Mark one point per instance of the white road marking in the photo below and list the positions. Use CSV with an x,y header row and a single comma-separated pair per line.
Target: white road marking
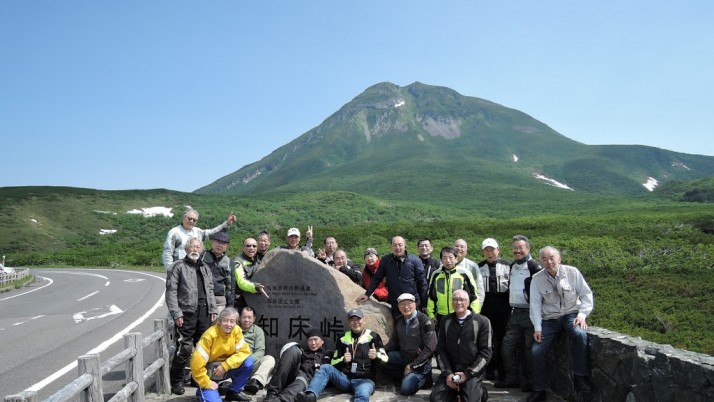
x,y
102,346
89,295
79,317
29,319
134,280
33,290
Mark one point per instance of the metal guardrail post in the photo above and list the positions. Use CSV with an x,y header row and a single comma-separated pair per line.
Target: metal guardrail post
x,y
161,348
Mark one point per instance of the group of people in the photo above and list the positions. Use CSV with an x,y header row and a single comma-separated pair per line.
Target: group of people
x,y
493,320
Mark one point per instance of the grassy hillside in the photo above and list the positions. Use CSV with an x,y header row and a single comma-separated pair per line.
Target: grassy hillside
x,y
650,262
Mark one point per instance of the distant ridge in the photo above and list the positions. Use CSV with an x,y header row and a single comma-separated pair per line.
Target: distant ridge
x,y
404,142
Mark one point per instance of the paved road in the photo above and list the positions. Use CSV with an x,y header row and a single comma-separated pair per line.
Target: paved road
x,y
66,313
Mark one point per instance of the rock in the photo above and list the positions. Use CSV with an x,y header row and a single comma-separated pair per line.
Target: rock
x,y
304,294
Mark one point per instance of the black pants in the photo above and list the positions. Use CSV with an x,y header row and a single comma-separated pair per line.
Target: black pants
x,y
288,380
470,391
194,325
497,310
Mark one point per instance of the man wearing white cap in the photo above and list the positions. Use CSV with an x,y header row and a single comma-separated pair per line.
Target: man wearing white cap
x,y
293,241
354,363
496,273
411,348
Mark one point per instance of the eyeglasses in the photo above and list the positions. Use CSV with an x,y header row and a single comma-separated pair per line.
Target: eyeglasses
x,y
459,299
251,245
191,219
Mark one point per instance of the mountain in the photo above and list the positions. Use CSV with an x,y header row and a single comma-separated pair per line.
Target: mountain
x,y
429,141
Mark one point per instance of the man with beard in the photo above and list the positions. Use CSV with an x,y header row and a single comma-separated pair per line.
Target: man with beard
x,y
190,300
223,350
220,265
178,236
297,366
245,267
462,249
463,351
263,245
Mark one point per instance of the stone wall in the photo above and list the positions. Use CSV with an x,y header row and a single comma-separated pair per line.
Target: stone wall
x,y
630,369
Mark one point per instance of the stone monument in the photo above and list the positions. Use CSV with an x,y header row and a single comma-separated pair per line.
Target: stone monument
x,y
303,294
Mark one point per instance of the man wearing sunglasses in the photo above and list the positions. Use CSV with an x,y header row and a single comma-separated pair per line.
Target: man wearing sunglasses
x,y
246,265
177,236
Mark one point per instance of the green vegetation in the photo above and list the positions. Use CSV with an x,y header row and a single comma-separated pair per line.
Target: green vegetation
x,y
649,261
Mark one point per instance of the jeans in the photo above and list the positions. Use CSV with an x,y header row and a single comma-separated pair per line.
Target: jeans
x,y
412,382
239,377
578,348
362,388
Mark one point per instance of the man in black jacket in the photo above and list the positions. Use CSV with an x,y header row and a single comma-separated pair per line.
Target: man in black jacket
x,y
220,265
463,351
411,347
354,363
404,273
296,367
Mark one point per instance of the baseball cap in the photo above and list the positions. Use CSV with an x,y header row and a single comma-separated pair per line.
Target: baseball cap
x,y
405,296
489,243
293,232
355,312
221,236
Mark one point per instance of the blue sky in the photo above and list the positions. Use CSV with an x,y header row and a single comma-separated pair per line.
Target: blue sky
x,y
175,94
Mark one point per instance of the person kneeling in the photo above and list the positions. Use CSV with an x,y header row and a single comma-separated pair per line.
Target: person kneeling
x,y
222,342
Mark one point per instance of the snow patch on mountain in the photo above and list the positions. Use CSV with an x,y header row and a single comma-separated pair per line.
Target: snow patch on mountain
x,y
551,182
651,183
152,211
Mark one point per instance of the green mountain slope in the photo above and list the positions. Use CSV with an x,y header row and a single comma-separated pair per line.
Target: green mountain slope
x,y
406,142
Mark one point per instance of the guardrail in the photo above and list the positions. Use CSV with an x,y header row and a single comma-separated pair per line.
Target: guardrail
x,y
88,386
20,273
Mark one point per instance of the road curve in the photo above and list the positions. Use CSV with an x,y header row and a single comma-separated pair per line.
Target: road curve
x,y
70,312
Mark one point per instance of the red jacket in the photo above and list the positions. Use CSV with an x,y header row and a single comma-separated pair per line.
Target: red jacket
x,y
381,292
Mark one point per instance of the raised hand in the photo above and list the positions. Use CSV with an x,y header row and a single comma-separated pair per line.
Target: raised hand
x,y
372,352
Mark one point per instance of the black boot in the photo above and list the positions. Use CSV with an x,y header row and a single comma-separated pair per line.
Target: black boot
x,y
306,396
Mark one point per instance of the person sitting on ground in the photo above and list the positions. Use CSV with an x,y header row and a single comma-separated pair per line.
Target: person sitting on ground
x,y
411,348
371,263
354,363
223,350
255,337
296,367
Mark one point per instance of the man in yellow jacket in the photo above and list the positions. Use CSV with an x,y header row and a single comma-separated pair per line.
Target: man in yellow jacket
x,y
222,346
